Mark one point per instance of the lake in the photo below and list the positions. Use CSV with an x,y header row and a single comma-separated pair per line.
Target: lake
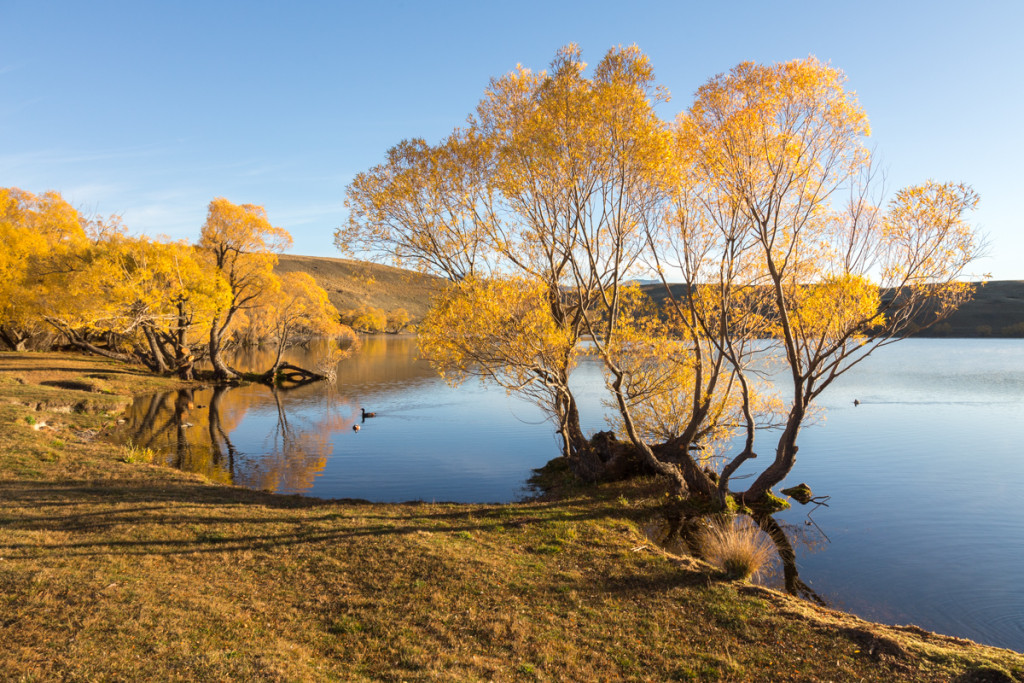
x,y
923,523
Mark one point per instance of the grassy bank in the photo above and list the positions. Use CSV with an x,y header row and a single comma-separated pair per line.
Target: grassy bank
x,y
123,570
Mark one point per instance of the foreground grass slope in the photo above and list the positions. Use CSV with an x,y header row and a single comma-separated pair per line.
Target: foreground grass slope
x,y
125,571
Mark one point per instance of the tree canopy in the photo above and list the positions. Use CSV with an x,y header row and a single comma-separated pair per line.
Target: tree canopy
x,y
565,186
163,303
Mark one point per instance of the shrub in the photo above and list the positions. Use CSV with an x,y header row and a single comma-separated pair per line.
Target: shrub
x,y
347,340
397,320
737,546
133,452
365,319
1015,330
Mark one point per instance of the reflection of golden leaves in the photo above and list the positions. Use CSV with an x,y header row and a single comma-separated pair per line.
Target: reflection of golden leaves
x,y
300,451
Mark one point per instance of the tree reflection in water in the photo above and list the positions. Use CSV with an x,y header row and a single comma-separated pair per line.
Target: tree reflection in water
x,y
791,580
190,429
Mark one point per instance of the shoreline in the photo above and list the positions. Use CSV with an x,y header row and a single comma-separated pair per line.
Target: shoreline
x,y
176,576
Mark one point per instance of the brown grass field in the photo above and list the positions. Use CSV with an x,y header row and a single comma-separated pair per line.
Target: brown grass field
x,y
111,570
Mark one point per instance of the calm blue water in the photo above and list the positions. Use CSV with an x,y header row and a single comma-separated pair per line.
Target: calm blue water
x,y
923,519
925,478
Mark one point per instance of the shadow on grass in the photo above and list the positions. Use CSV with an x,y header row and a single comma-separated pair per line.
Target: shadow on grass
x,y
206,512
650,582
80,369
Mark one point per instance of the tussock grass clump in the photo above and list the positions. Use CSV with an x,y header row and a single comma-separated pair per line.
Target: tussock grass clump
x,y
737,546
133,453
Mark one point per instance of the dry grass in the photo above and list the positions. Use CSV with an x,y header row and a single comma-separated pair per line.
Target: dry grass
x,y
737,546
350,284
996,310
134,453
118,571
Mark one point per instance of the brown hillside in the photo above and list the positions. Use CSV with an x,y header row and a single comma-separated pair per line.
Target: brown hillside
x,y
350,284
996,310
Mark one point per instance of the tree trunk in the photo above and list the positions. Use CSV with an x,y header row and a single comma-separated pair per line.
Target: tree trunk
x,y
697,480
184,361
785,458
293,374
583,461
159,363
220,369
83,345
13,338
282,338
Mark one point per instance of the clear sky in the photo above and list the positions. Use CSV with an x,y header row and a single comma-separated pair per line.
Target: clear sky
x,y
150,110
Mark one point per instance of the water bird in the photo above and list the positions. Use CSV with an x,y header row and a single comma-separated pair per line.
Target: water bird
x,y
366,414
355,428
856,402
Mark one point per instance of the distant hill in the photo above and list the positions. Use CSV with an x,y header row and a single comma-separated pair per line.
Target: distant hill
x,y
997,309
350,284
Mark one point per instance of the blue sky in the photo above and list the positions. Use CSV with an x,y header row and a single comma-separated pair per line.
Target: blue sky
x,y
150,110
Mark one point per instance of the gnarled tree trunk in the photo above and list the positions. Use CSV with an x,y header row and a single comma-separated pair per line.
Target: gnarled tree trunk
x,y
15,339
220,368
785,458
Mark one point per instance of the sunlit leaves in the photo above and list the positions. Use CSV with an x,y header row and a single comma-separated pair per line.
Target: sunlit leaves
x,y
426,207
144,298
926,233
241,244
770,154
291,308
40,235
499,328
758,198
828,312
784,136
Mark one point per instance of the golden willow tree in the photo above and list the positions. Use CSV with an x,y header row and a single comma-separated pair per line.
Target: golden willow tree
x,y
777,165
243,247
537,203
40,234
294,310
139,299
754,203
130,298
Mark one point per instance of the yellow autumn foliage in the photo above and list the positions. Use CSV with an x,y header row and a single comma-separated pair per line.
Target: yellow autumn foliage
x,y
501,329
